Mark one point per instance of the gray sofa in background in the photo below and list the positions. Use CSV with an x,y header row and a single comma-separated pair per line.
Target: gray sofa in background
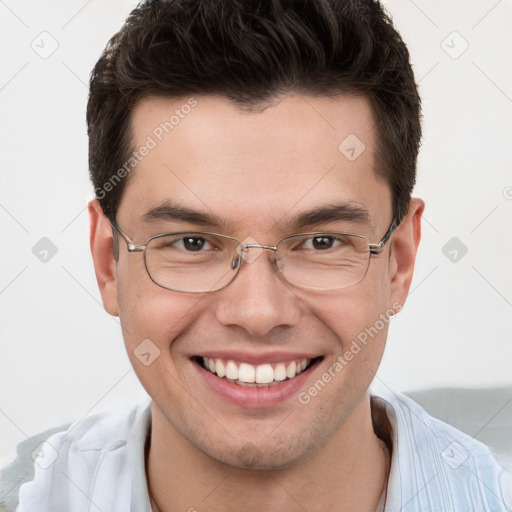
x,y
485,414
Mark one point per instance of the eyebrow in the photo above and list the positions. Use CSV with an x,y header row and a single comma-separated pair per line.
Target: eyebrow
x,y
173,212
337,212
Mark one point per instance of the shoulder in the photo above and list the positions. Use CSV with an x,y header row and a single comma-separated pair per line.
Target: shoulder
x,y
435,464
21,469
77,447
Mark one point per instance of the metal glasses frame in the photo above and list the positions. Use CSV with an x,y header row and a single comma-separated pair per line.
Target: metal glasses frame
x,y
375,248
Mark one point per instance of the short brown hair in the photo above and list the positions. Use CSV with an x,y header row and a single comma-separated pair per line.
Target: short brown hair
x,y
251,51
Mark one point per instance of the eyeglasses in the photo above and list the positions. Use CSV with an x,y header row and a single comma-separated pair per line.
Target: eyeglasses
x,y
200,262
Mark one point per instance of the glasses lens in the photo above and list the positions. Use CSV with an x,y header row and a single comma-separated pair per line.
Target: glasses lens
x,y
323,261
192,262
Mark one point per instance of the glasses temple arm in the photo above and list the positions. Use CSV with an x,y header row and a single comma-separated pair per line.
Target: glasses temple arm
x,y
129,244
377,248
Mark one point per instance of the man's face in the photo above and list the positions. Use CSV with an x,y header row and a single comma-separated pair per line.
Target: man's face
x,y
256,173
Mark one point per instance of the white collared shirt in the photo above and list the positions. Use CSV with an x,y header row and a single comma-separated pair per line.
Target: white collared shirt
x,y
98,465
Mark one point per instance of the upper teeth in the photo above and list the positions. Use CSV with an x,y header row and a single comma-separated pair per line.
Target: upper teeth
x,y
249,374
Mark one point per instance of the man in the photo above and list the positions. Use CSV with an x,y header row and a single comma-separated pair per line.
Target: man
x,y
253,165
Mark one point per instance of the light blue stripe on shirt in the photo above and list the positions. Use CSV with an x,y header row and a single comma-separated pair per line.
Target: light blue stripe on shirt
x,y
435,467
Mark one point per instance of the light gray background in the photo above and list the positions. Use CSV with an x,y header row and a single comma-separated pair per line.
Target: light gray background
x,y
62,356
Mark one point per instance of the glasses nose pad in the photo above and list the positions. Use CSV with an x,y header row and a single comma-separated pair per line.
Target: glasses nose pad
x,y
280,265
235,263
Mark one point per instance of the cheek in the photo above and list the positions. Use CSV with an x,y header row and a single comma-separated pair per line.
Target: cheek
x,y
350,311
359,318
149,312
151,322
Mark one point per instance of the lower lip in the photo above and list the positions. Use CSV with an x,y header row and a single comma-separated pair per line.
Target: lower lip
x,y
253,396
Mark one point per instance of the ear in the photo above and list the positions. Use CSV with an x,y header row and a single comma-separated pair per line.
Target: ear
x,y
406,240
103,257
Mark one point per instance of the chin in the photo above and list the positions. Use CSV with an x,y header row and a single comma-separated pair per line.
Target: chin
x,y
263,456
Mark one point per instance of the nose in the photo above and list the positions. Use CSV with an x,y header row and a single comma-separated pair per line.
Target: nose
x,y
258,300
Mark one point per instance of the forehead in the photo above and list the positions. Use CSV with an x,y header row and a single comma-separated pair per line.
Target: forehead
x,y
297,153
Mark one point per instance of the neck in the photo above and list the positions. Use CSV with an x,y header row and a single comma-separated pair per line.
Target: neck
x,y
349,473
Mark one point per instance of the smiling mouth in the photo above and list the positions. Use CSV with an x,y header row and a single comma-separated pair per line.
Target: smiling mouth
x,y
261,375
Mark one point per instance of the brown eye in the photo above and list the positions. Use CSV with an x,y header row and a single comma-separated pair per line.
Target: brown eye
x,y
322,242
193,243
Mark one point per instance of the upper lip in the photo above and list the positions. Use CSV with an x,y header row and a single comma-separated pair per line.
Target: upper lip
x,y
254,357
